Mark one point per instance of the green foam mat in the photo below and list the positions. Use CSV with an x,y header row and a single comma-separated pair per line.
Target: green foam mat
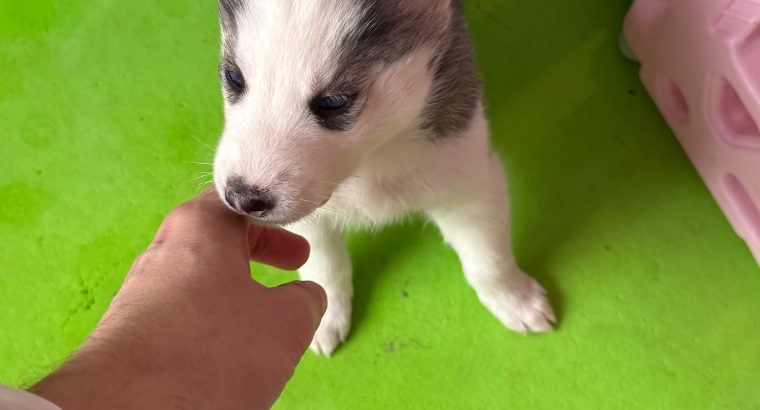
x,y
109,112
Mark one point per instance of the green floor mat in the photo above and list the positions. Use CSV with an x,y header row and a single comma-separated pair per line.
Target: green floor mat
x,y
109,112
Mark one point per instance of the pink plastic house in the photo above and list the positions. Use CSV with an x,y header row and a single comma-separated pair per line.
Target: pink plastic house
x,y
700,61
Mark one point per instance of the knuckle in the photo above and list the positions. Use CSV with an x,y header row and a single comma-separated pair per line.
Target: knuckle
x,y
180,214
180,217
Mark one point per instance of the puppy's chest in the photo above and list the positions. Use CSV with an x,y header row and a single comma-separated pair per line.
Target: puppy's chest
x,y
367,202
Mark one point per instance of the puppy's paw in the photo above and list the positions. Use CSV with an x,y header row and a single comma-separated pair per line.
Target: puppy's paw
x,y
334,327
521,305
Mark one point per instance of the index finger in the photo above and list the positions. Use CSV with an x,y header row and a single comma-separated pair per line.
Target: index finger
x,y
204,219
277,247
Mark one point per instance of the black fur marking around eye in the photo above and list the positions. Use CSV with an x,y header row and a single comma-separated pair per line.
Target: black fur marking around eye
x,y
333,117
384,35
233,81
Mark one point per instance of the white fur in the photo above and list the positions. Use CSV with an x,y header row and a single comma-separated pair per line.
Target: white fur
x,y
284,48
460,184
380,170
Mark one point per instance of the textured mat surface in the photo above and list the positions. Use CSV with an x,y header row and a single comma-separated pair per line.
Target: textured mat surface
x,y
109,110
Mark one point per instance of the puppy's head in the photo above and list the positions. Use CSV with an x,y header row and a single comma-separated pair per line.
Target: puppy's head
x,y
311,87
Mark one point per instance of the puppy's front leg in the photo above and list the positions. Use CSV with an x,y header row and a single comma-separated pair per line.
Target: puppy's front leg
x,y
477,227
329,265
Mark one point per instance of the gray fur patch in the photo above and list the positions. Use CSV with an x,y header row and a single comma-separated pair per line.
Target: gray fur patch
x,y
387,31
391,29
228,11
456,90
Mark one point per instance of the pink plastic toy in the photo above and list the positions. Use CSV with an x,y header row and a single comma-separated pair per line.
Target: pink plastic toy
x,y
700,61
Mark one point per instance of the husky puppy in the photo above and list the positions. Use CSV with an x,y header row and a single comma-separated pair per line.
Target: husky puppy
x,y
353,113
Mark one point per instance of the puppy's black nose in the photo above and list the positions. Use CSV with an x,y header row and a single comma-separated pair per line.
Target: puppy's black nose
x,y
248,199
252,205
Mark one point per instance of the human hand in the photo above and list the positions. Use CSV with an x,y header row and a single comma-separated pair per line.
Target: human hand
x,y
190,328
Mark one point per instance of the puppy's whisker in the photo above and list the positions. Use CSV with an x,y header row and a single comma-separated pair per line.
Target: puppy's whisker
x,y
202,143
330,183
201,177
203,184
205,174
306,201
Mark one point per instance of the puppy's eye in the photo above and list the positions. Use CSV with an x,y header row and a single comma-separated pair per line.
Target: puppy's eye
x,y
235,79
333,103
335,111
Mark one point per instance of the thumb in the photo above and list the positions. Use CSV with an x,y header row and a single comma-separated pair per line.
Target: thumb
x,y
299,307
311,294
290,315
